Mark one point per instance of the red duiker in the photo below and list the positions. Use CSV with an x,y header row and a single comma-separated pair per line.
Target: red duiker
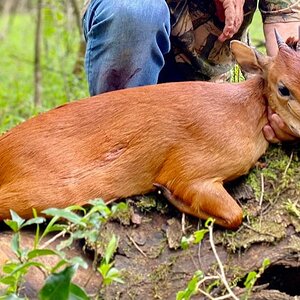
x,y
187,137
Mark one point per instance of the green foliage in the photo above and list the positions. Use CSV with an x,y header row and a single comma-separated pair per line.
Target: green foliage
x,y
192,287
205,284
58,283
252,278
59,286
293,208
106,269
59,52
197,236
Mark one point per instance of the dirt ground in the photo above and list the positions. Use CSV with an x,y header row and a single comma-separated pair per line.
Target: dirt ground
x,y
155,267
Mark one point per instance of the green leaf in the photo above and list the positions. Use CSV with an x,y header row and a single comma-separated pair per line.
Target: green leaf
x,y
120,207
23,267
184,243
8,280
104,268
56,227
41,252
15,217
49,227
266,263
64,213
192,287
251,277
57,285
99,206
79,261
114,275
77,293
12,224
37,232
58,265
38,220
111,248
199,235
9,267
64,244
77,207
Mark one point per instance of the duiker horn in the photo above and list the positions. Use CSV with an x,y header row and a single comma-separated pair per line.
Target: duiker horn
x,y
279,40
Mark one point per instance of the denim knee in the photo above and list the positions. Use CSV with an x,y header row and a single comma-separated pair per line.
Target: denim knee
x,y
126,41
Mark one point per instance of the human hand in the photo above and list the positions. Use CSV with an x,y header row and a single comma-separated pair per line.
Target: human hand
x,y
231,11
277,130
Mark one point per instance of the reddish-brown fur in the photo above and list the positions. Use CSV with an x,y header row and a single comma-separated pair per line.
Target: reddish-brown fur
x,y
189,137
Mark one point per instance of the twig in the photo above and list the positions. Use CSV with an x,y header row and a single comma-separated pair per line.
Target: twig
x,y
136,246
37,57
261,197
257,231
262,184
206,294
183,229
46,244
222,275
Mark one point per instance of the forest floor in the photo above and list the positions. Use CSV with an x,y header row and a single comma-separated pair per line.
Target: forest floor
x,y
156,268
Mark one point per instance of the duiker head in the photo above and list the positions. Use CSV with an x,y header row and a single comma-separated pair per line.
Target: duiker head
x,y
281,74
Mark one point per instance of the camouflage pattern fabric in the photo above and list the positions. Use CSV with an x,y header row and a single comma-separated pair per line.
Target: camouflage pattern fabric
x,y
196,52
274,11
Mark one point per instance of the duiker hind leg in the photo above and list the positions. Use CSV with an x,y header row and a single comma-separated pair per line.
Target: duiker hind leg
x,y
204,200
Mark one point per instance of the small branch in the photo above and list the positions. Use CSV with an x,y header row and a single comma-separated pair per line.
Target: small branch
x,y
261,197
262,184
61,233
222,275
37,57
259,232
183,228
136,246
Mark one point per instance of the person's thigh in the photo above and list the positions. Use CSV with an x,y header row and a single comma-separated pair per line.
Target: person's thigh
x,y
126,42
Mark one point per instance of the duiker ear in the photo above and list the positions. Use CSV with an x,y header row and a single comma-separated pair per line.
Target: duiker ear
x,y
249,59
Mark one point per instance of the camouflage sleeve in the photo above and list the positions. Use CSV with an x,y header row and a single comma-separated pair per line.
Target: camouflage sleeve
x,y
280,11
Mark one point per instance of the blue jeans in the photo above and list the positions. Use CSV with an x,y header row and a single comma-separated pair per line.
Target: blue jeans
x,y
126,43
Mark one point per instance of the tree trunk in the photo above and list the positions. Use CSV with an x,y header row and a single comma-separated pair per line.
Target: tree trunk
x,y
78,67
37,58
7,15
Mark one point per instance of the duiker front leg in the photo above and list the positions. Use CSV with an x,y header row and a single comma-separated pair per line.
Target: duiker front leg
x,y
204,200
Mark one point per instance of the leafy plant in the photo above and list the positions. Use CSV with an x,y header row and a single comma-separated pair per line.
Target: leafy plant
x,y
252,278
192,287
58,284
106,269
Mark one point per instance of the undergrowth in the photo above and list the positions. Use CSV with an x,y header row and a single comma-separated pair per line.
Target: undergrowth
x,y
71,224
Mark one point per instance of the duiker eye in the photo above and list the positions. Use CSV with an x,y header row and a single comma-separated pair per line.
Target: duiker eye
x,y
283,90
